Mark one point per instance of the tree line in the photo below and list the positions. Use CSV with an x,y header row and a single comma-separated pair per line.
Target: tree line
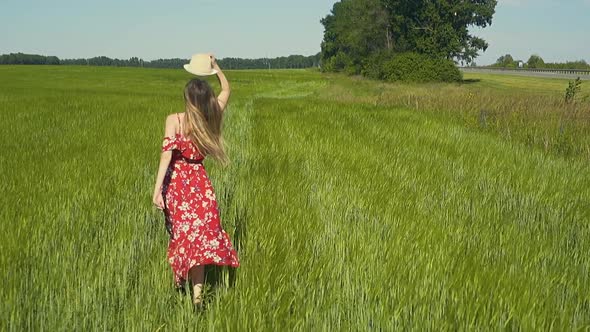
x,y
292,61
392,39
536,61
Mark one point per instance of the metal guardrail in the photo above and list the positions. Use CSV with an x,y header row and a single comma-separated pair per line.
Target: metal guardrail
x,y
533,70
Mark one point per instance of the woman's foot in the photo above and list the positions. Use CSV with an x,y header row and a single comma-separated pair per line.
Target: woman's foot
x,y
197,294
197,300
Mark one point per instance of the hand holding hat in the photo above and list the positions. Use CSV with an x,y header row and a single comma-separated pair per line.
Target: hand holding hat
x,y
213,60
202,65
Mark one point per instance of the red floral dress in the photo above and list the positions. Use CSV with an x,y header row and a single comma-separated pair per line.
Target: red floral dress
x,y
192,215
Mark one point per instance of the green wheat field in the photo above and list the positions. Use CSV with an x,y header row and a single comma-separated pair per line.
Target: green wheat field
x,y
354,204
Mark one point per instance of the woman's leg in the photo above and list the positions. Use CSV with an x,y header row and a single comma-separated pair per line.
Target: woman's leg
x,y
197,276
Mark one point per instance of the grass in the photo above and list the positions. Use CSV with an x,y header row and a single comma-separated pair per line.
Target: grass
x,y
519,84
526,110
353,205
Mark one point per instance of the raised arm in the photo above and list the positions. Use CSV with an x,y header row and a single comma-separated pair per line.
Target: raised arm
x,y
223,96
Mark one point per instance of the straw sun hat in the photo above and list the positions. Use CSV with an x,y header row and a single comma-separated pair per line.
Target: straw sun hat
x,y
200,65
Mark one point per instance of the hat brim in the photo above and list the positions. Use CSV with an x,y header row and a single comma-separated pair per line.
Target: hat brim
x,y
191,70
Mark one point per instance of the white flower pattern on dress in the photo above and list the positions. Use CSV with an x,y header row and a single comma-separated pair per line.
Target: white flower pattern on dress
x,y
197,237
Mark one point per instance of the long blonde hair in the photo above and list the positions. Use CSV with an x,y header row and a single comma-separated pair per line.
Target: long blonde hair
x,y
204,119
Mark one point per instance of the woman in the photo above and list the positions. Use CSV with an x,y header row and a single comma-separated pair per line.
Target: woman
x,y
183,190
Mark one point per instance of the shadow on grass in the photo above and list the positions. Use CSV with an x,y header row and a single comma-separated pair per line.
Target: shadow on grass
x,y
471,81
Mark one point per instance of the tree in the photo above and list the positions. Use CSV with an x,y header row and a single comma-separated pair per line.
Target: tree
x,y
52,60
505,61
134,62
354,30
535,61
292,61
440,28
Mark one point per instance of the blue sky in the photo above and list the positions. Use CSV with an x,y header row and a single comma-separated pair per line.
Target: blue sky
x,y
557,30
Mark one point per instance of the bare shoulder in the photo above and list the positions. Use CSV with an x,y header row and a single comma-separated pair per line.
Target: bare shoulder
x,y
171,124
172,119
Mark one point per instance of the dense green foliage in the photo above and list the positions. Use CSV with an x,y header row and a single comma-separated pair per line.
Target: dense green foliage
x,y
355,205
357,30
573,91
288,62
413,67
506,61
292,61
535,61
28,59
439,28
579,64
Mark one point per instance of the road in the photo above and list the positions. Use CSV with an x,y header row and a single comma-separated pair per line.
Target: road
x,y
525,73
